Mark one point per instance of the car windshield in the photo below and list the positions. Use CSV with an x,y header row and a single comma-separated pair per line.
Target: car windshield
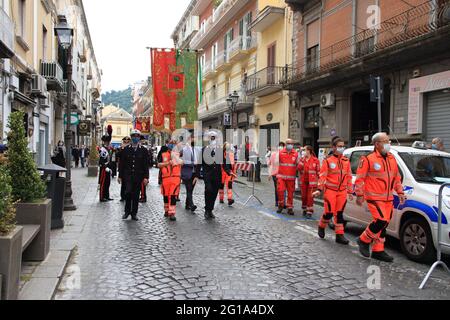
x,y
428,168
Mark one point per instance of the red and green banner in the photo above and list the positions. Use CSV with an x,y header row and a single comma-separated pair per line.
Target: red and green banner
x,y
175,88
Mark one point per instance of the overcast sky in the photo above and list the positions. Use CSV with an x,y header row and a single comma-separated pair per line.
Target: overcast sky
x,y
122,29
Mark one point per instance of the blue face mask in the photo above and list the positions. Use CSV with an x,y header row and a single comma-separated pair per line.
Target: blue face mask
x,y
170,146
434,147
290,147
135,140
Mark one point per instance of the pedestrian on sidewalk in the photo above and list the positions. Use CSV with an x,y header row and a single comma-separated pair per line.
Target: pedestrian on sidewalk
x,y
84,153
125,142
105,170
378,177
188,173
76,156
170,166
58,157
309,170
212,164
133,171
287,174
336,184
273,163
227,177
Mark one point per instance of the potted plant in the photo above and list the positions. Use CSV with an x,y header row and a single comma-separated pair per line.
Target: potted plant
x,y
93,159
28,189
10,241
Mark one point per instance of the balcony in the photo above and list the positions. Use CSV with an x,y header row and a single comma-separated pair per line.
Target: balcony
x,y
222,61
267,18
421,32
266,81
6,36
299,5
208,70
222,15
53,73
213,106
242,47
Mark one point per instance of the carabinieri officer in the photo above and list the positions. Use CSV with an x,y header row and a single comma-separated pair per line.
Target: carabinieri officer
x,y
133,172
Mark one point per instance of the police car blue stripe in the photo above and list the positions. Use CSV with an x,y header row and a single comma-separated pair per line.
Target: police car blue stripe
x,y
431,212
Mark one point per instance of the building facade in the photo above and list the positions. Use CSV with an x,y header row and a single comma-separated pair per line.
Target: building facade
x,y
273,25
34,75
339,44
120,121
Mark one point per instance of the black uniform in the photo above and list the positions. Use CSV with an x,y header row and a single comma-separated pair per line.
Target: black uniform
x,y
122,186
133,169
212,164
105,174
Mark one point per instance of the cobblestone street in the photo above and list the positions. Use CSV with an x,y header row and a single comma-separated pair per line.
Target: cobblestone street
x,y
246,253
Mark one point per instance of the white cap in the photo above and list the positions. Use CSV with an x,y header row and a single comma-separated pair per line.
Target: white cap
x,y
135,132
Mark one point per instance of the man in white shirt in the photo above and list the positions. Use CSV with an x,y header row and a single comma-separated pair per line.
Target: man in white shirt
x,y
188,173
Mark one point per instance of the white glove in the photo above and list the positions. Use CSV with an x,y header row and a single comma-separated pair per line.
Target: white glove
x,y
108,170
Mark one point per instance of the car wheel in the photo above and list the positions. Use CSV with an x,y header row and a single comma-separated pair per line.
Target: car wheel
x,y
416,240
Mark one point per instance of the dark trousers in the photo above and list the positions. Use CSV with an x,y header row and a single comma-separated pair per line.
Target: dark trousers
x,y
113,167
122,192
143,192
105,182
77,162
212,187
132,191
275,183
189,184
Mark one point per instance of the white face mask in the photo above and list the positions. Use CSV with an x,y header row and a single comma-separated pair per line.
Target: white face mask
x,y
387,148
340,150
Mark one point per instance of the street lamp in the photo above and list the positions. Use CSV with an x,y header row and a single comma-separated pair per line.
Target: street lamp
x,y
65,35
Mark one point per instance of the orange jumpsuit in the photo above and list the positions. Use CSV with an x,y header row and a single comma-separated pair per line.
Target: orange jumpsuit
x,y
309,177
227,180
377,178
287,174
170,187
336,183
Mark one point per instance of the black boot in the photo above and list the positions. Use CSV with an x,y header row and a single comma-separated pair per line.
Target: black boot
x,y
280,210
321,233
125,216
134,218
222,202
341,239
291,212
173,218
382,256
364,248
193,209
230,202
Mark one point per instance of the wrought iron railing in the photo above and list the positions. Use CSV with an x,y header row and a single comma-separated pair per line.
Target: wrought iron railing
x,y
270,76
242,43
222,58
412,23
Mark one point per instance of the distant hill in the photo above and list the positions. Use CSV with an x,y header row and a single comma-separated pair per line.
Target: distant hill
x,y
119,98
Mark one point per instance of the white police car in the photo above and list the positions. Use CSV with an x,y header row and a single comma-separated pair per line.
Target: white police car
x,y
415,223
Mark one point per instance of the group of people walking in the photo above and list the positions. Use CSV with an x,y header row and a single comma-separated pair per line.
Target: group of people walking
x,y
179,163
378,178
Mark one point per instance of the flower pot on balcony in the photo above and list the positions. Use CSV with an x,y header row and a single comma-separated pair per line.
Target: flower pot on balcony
x,y
37,214
10,263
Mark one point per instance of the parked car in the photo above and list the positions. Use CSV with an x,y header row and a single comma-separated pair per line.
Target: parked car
x,y
415,223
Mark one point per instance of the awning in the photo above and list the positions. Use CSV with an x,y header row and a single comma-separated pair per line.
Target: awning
x,y
22,98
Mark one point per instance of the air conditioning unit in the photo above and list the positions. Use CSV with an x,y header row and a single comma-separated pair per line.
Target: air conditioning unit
x,y
38,86
253,120
44,103
327,100
14,82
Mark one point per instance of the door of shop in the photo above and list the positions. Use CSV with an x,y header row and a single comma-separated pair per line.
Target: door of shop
x,y
271,135
365,116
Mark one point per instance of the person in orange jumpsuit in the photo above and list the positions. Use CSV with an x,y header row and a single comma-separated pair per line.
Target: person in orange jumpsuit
x,y
170,166
227,180
287,174
309,169
377,178
336,183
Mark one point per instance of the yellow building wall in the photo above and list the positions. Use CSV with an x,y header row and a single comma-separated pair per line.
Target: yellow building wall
x,y
26,55
121,129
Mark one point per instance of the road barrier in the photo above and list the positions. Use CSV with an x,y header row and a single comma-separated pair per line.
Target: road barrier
x,y
247,166
440,244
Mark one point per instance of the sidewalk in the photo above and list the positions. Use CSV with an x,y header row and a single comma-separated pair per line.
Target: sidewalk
x,y
39,280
